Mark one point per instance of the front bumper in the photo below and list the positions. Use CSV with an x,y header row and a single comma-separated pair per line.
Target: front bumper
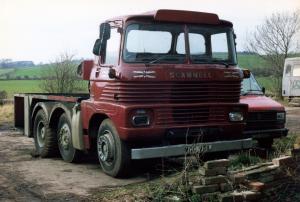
x,y
183,149
266,133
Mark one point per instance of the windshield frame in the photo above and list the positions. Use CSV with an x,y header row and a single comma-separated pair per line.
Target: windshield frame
x,y
183,58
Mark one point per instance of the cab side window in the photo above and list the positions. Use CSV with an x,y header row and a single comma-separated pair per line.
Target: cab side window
x,y
288,69
112,48
296,70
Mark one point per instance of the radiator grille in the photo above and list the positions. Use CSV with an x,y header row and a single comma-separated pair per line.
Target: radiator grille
x,y
172,92
261,120
189,115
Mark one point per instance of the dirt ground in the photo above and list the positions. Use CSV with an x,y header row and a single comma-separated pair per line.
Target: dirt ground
x,y
293,119
25,178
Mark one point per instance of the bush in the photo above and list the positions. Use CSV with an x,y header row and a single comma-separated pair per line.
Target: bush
x,y
243,159
284,145
61,76
3,95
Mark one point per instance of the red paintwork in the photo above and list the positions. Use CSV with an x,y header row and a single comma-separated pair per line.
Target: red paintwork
x,y
120,112
262,121
261,103
186,16
62,98
87,66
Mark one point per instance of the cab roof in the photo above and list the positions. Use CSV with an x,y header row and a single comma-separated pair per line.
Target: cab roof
x,y
181,16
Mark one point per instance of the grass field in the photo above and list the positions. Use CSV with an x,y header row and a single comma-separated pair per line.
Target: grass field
x,y
251,61
19,86
29,86
31,72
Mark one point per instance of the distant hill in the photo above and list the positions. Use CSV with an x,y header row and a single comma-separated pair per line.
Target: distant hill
x,y
15,64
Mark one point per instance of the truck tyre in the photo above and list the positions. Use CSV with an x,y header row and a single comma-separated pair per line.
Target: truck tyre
x,y
113,153
64,137
265,143
44,137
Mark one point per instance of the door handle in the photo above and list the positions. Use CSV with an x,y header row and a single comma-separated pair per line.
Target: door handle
x,y
97,72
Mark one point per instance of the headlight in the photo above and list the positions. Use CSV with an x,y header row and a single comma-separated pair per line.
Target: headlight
x,y
140,118
236,116
280,116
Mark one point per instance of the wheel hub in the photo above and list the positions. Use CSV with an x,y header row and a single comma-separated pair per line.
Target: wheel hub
x,y
65,136
105,146
41,134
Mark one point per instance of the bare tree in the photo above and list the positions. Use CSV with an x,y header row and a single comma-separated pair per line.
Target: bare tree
x,y
60,76
274,40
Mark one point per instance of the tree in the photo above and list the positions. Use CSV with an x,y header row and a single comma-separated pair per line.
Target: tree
x,y
274,40
60,76
4,62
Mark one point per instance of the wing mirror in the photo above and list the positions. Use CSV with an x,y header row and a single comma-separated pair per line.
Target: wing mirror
x,y
263,89
246,73
104,35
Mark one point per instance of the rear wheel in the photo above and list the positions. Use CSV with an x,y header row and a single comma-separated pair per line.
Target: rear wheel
x,y
44,137
64,137
113,153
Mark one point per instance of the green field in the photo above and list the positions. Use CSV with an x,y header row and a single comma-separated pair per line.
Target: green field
x,y
19,86
251,61
26,72
266,82
30,71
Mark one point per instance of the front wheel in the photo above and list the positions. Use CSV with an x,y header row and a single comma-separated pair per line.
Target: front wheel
x,y
64,136
265,143
113,153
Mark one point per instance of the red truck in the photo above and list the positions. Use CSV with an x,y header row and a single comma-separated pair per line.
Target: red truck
x,y
163,83
266,117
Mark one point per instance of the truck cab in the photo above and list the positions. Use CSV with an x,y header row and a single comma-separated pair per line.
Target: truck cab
x,y
266,117
163,83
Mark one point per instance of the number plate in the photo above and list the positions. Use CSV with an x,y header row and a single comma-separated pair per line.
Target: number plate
x,y
197,148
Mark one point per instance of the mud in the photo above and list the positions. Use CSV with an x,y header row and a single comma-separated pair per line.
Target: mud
x,y
25,178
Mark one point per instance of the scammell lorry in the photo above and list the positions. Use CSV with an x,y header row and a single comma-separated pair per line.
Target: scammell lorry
x,y
163,83
266,117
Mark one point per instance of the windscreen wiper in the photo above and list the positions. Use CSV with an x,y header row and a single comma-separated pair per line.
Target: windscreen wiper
x,y
203,61
166,57
249,91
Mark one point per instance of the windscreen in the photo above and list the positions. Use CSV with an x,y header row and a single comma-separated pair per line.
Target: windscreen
x,y
176,43
250,86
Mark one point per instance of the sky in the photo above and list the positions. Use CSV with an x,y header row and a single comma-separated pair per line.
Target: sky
x,y
40,30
